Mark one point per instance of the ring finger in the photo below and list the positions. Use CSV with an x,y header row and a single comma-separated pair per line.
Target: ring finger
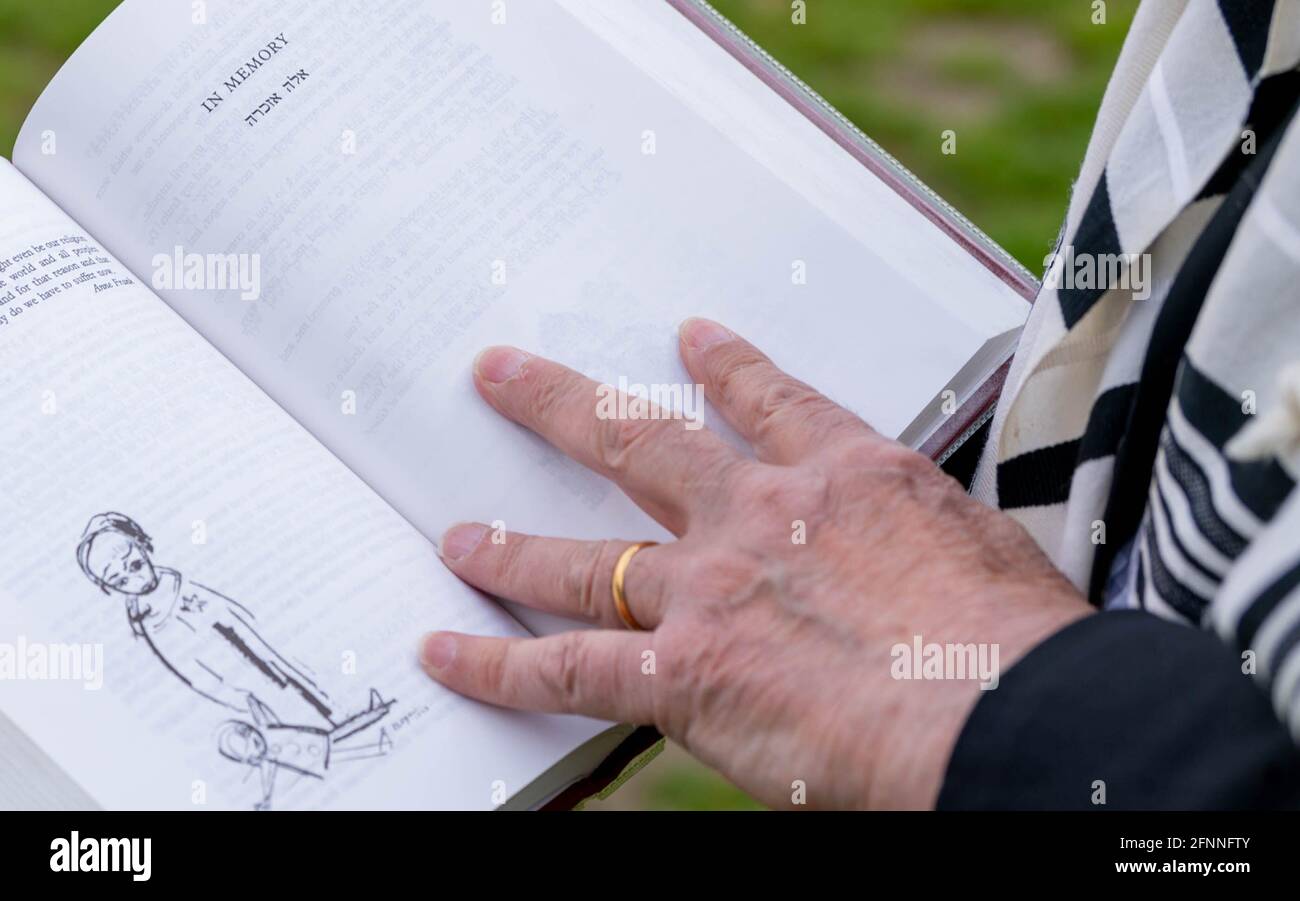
x,y
560,575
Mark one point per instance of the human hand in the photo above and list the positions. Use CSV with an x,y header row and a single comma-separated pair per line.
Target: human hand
x,y
773,659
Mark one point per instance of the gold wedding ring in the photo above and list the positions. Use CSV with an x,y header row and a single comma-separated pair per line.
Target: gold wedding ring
x,y
616,585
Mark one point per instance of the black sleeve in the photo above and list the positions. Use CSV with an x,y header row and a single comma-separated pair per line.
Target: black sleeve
x,y
1159,712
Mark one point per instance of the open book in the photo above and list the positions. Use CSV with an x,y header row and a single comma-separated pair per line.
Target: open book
x,y
248,252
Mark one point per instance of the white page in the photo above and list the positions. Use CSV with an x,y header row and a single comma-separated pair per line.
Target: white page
x,y
110,402
698,72
523,144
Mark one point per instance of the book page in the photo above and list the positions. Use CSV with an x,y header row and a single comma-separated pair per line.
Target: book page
x,y
200,606
419,180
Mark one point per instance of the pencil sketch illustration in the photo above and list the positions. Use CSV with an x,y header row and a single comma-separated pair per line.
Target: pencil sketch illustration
x,y
209,642
269,747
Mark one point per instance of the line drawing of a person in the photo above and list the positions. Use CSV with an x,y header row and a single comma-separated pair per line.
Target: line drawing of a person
x,y
204,638
270,747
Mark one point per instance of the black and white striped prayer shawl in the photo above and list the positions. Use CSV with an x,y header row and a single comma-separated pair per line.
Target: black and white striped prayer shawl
x,y
1156,442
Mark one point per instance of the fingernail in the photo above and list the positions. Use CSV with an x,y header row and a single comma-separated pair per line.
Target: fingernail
x,y
702,333
500,364
460,540
438,650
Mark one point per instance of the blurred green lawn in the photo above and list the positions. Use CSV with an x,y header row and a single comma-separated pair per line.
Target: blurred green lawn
x,y
1019,81
36,36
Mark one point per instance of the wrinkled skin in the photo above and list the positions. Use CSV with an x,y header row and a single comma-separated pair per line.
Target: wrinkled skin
x,y
771,657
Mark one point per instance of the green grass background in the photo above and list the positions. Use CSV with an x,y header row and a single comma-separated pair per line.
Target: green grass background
x,y
1019,81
